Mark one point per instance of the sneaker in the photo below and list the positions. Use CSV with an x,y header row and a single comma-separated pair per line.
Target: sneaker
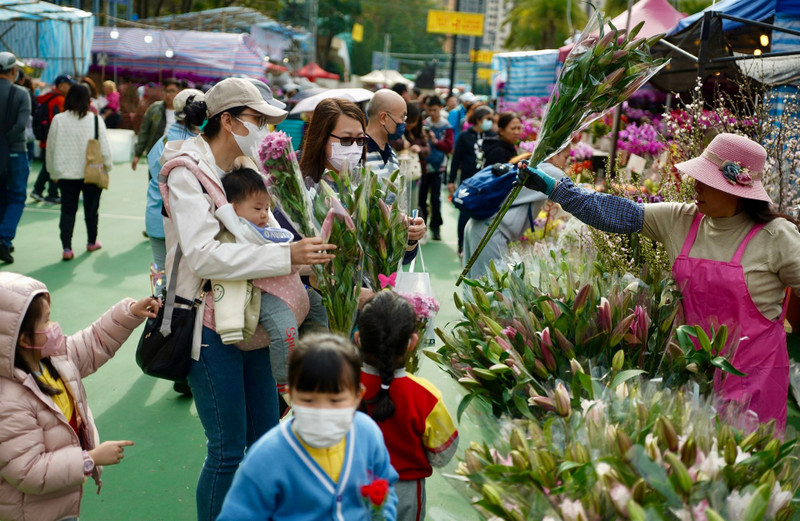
x,y
436,235
37,196
145,235
52,200
68,254
94,247
182,388
5,254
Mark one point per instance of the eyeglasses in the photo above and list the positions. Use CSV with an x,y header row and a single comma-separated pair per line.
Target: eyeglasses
x,y
405,117
261,119
348,141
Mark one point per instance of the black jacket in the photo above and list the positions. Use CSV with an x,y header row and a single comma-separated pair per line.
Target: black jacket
x,y
468,154
497,151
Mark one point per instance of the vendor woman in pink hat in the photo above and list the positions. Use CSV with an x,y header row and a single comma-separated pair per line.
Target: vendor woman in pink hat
x,y
733,257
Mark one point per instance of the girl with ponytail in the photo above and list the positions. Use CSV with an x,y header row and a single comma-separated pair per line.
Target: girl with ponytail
x,y
417,427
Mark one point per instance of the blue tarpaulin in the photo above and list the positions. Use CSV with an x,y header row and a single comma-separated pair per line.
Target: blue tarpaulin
x,y
527,73
758,10
60,36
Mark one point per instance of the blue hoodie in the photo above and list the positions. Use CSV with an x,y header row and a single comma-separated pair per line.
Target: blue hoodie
x,y
153,220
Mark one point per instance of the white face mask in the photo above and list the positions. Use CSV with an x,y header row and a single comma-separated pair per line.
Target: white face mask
x,y
249,144
322,428
340,152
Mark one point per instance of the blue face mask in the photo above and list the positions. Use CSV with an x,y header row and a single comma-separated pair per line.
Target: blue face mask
x,y
486,126
399,130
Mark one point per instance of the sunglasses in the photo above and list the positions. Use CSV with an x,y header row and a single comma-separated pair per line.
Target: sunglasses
x,y
348,141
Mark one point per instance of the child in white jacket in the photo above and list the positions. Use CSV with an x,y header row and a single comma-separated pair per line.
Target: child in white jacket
x,y
279,304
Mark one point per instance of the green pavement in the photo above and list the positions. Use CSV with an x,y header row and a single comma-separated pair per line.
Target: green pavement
x,y
157,479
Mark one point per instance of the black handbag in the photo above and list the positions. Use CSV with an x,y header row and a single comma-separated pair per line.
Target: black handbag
x,y
165,347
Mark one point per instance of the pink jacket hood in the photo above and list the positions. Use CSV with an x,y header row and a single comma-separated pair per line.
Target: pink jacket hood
x,y
16,293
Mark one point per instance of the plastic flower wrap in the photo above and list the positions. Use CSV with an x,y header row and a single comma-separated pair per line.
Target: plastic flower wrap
x,y
425,309
384,230
286,184
340,280
599,72
631,450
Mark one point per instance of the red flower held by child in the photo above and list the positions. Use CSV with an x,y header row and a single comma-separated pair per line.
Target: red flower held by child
x,y
376,492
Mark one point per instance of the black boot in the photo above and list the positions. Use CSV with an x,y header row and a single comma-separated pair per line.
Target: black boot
x,y
5,254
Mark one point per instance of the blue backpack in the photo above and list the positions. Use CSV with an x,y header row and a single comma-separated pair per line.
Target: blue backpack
x,y
481,195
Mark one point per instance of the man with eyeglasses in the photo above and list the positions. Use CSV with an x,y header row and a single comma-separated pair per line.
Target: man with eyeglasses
x,y
157,120
386,121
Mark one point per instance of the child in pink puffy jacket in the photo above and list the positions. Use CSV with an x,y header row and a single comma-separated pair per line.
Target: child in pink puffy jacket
x,y
48,441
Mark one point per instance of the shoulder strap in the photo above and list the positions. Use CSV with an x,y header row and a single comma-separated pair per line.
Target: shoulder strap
x,y
96,133
737,257
9,102
689,242
211,188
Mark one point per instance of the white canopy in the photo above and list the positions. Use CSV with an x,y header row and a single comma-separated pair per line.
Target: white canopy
x,y
391,77
355,95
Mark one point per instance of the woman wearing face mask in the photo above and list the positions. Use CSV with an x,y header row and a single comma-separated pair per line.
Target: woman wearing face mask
x,y
233,390
313,467
502,148
468,157
49,444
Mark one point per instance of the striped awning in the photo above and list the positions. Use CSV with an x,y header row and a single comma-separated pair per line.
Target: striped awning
x,y
213,55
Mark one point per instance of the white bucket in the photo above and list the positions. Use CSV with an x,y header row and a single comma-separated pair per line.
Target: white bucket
x,y
121,143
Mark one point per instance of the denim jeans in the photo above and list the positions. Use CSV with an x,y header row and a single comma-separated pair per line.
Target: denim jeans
x,y
237,402
12,195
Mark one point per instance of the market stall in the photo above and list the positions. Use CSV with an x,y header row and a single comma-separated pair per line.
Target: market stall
x,y
52,39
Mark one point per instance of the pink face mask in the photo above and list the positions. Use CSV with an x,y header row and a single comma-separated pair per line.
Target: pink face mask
x,y
54,345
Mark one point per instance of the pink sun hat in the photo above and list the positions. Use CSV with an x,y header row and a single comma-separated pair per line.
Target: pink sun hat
x,y
731,163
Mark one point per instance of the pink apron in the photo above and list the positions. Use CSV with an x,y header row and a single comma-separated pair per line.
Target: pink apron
x,y
718,289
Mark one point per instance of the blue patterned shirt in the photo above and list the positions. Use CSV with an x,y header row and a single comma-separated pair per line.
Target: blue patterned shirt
x,y
609,213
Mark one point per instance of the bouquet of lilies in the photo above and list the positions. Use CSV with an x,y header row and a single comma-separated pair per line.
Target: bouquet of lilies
x,y
286,184
603,69
633,451
384,229
425,309
340,280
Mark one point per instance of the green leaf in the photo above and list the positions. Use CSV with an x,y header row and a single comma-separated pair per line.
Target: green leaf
x,y
723,363
568,465
758,504
655,475
705,343
464,404
624,376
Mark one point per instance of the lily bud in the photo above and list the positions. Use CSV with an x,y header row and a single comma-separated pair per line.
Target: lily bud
x,y
549,359
548,404
540,370
680,476
604,315
635,511
651,448
565,345
478,449
579,453
536,434
624,443
730,451
667,433
547,460
480,299
562,400
518,441
519,461
692,368
618,361
582,298
474,464
713,515
544,337
503,342
689,452
620,496
575,366
638,490
492,495
620,331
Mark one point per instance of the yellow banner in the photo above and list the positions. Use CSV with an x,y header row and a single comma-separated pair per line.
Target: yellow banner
x,y
358,32
486,74
481,56
448,22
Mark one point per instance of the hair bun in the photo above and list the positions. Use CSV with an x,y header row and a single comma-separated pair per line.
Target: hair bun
x,y
196,112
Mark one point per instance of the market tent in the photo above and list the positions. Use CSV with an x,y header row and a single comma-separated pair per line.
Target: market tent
x,y
658,16
355,95
313,71
61,37
194,55
759,10
377,77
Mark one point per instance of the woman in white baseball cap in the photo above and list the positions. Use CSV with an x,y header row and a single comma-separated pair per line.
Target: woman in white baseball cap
x,y
733,258
233,389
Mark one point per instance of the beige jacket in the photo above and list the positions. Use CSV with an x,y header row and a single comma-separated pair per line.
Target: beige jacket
x,y
41,460
192,224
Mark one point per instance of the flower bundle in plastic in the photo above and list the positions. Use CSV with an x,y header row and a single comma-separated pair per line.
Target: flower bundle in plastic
x,y
425,309
286,184
340,280
523,328
632,451
599,72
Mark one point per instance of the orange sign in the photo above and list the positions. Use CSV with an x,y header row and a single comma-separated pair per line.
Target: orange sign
x,y
480,56
449,22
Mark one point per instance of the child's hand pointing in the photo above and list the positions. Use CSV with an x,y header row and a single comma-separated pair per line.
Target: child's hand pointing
x,y
146,308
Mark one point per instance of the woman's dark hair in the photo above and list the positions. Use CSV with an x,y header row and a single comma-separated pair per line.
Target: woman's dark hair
x,y
89,82
28,326
400,88
77,100
196,111
385,325
763,212
505,119
414,113
478,113
324,363
323,121
243,183
172,81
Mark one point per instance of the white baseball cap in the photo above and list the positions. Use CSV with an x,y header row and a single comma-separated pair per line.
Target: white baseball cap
x,y
8,61
238,92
